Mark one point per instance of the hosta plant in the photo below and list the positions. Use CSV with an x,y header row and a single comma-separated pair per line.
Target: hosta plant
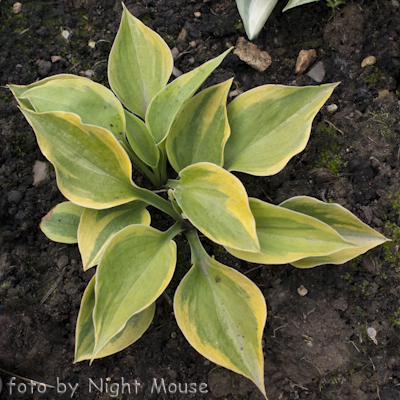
x,y
94,136
255,13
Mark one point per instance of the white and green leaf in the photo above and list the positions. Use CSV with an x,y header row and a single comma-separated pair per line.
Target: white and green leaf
x,y
201,130
97,226
216,203
61,223
134,269
344,222
254,14
296,3
84,336
95,104
271,124
168,102
92,168
222,315
286,236
140,64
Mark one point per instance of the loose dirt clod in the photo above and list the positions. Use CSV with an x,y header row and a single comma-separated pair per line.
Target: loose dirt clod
x,y
252,55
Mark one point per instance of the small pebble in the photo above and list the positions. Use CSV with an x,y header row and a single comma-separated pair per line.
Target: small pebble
x,y
175,53
371,332
197,14
176,72
395,4
302,291
92,44
40,172
383,93
317,72
65,34
17,7
332,108
55,58
370,60
305,59
89,73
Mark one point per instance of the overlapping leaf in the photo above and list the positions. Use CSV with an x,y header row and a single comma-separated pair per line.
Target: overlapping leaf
x,y
343,221
286,236
60,224
140,64
216,203
19,90
92,169
84,337
222,314
201,129
134,269
269,125
167,103
141,141
254,14
97,226
95,104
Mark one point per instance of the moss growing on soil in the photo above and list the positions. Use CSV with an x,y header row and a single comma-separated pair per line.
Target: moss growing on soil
x,y
395,319
330,154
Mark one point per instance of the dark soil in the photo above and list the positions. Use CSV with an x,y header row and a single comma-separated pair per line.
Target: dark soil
x,y
316,346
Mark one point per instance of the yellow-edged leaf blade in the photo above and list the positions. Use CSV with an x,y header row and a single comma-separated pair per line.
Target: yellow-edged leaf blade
x,y
140,64
201,130
344,222
269,125
97,226
166,105
61,223
94,103
84,337
286,236
134,269
216,203
222,314
92,168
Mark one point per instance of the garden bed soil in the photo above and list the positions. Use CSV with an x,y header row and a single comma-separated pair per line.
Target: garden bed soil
x,y
316,346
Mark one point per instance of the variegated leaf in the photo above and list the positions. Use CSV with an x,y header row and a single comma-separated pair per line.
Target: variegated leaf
x,y
95,104
141,141
134,269
222,314
286,236
92,168
269,125
168,102
343,221
60,224
97,226
84,336
140,64
216,203
201,129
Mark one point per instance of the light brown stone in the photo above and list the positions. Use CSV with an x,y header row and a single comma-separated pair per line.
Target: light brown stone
x,y
304,60
252,55
17,7
370,60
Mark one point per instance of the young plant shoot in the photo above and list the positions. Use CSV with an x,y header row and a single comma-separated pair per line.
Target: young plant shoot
x,y
94,137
